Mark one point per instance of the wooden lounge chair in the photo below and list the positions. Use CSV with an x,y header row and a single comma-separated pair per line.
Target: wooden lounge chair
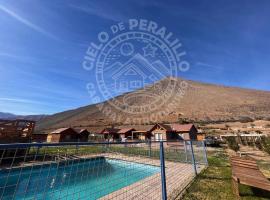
x,y
246,172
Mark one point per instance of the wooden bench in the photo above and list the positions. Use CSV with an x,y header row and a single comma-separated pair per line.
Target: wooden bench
x,y
246,172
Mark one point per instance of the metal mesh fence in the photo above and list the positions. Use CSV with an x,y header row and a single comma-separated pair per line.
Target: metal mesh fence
x,y
97,170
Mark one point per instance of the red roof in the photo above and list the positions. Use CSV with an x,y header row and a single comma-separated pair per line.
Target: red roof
x,y
81,130
182,127
60,130
125,130
176,127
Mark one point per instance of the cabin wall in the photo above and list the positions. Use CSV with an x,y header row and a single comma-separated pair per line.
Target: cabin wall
x,y
185,135
200,137
69,136
159,134
113,136
83,138
55,138
191,135
126,135
141,137
39,137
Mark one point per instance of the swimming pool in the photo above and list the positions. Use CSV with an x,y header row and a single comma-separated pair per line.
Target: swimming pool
x,y
74,179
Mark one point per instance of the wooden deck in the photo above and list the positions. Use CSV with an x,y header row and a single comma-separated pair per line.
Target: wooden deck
x,y
246,172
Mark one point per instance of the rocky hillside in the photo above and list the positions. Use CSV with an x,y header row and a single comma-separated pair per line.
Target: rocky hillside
x,y
199,102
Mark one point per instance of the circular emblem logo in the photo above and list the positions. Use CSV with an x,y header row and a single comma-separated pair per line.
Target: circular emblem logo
x,y
131,62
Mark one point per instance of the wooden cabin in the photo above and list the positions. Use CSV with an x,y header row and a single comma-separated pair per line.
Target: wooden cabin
x,y
68,135
96,137
39,137
161,132
142,132
62,135
83,135
126,133
186,131
110,133
174,132
16,131
141,135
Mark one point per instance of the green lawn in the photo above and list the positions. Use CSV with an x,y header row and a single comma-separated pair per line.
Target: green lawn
x,y
170,154
265,167
215,182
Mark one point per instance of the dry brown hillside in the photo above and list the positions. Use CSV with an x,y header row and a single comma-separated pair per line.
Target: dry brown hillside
x,y
200,102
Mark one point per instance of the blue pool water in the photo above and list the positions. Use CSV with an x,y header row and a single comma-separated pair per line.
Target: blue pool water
x,y
85,179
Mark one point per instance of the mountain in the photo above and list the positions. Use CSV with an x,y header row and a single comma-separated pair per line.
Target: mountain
x,y
11,116
200,102
4,115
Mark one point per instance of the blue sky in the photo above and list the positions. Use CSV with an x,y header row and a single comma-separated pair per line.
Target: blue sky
x,y
42,45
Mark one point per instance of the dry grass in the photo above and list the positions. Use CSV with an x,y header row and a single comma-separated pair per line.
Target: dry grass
x,y
215,183
264,167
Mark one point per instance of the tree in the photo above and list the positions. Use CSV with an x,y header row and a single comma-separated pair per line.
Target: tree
x,y
266,144
232,144
258,144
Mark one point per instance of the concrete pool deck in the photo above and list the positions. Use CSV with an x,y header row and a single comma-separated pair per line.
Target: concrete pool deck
x,y
178,177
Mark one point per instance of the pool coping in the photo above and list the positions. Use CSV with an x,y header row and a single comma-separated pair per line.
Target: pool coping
x,y
175,186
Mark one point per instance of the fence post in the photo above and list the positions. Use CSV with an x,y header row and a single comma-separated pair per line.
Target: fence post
x,y
77,148
150,148
193,158
205,152
163,175
37,150
186,151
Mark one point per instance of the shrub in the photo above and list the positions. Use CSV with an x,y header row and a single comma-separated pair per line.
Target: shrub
x,y
258,144
266,144
232,144
250,143
246,119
